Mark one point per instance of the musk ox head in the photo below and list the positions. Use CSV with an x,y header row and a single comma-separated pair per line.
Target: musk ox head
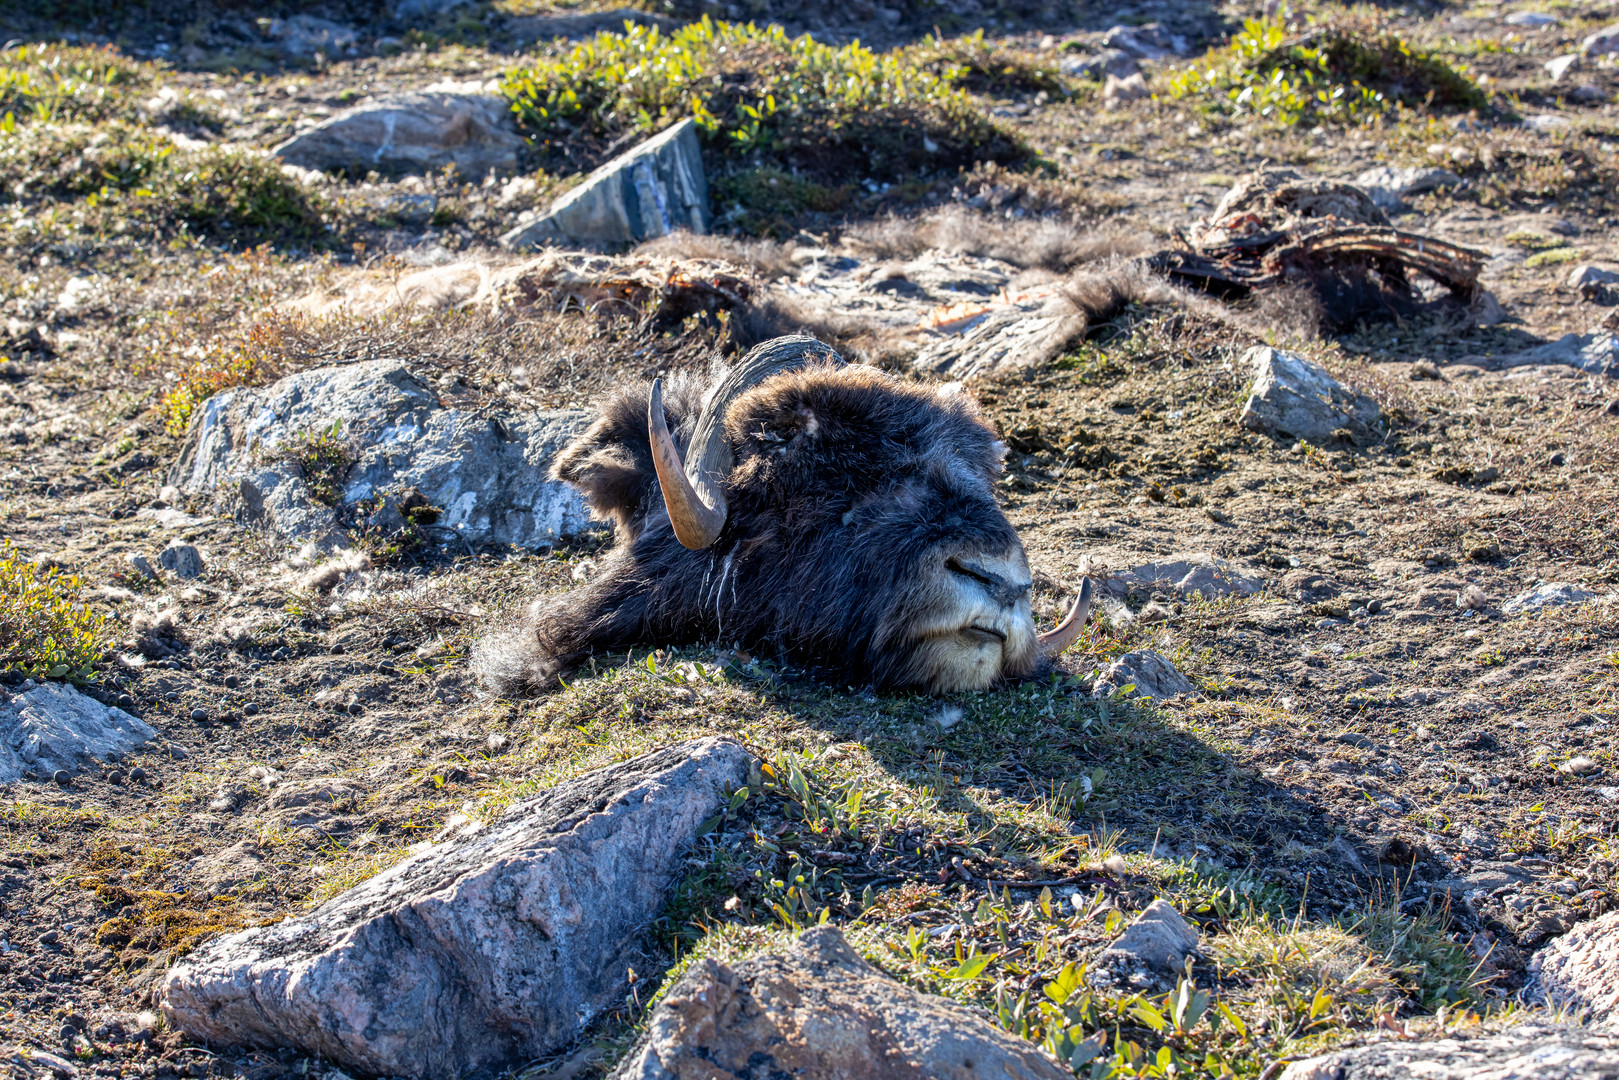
x,y
837,517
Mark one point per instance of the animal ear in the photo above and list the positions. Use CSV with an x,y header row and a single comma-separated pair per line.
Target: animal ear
x,y
611,463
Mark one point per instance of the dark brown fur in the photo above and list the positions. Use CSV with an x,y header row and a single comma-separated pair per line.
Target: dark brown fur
x,y
851,495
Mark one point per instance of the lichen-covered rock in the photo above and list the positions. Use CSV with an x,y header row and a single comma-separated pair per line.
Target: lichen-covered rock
x,y
1195,572
1576,971
414,132
1295,399
478,952
1596,353
1150,675
650,191
1546,594
49,726
1159,939
817,1011
486,475
1537,1051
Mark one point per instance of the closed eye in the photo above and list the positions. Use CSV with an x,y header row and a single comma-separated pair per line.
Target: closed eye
x,y
956,566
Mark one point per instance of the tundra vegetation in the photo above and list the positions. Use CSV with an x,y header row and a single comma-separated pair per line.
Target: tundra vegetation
x,y
1371,740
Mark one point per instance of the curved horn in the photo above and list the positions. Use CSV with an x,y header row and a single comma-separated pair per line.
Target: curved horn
x,y
1068,631
694,494
696,524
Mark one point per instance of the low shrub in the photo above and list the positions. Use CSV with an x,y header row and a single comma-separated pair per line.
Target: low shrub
x,y
989,67
58,83
1336,72
44,630
830,114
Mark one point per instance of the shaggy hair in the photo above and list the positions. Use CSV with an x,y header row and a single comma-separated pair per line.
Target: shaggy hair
x,y
1031,243
862,541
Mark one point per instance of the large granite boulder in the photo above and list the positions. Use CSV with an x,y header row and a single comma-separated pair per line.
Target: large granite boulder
x,y
476,953
1295,399
817,1011
49,726
650,191
1542,1050
484,474
412,132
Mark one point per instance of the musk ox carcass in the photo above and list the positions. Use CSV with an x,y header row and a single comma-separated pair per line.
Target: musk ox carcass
x,y
832,515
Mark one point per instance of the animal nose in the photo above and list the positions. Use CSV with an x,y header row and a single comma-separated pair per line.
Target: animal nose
x,y
1003,590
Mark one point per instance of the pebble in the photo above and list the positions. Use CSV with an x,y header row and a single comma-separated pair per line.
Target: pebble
x,y
1579,766
49,937
137,773
125,701
1374,606
68,1033
232,682
199,714
62,777
1356,739
178,752
250,709
115,777
1328,624
355,708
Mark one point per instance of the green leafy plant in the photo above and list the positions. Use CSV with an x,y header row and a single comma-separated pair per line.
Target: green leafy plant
x,y
323,457
830,113
1336,72
44,630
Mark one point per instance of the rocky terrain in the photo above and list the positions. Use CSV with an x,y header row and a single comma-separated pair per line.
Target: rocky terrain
x,y
299,306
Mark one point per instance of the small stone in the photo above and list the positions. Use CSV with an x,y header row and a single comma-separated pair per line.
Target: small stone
x,y
1356,739
355,708
1117,91
49,937
1159,938
125,701
115,777
142,565
1547,594
1151,674
1374,606
68,1033
137,773
178,752
1296,399
412,132
62,777
250,709
1579,766
184,561
1602,43
1560,66
199,714
232,682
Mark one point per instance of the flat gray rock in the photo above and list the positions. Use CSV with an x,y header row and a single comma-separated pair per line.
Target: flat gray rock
x,y
412,132
1294,399
1576,971
1547,594
486,473
1596,353
1602,43
477,953
1534,1051
1159,939
302,36
817,1011
1150,673
48,726
650,191
1389,186
1197,572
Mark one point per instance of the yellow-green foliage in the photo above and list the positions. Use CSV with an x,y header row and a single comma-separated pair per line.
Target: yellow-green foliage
x,y
44,631
1328,73
71,127
57,83
832,113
